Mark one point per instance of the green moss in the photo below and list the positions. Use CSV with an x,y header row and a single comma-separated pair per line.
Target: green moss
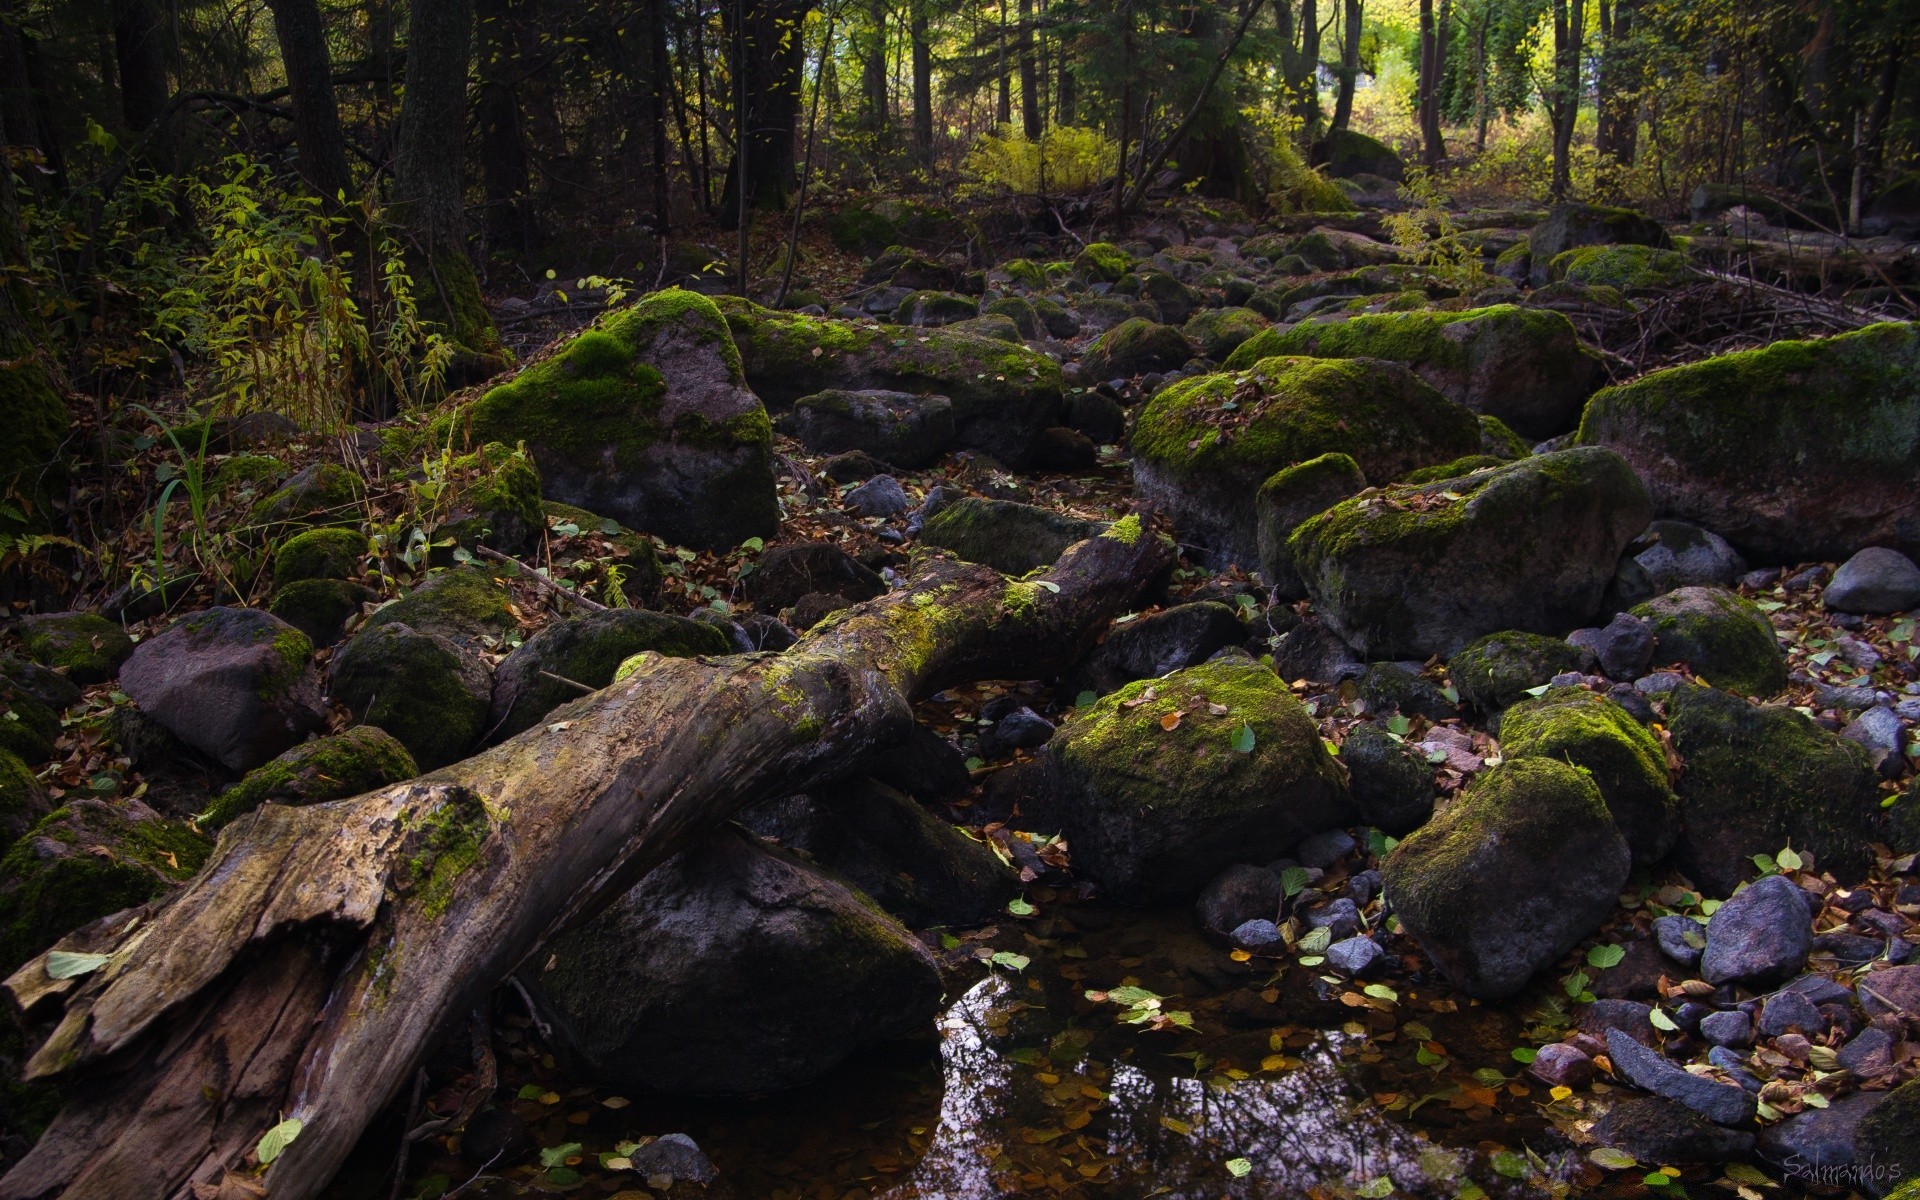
x,y
1125,530
1135,347
415,686
319,608
37,423
1723,637
1497,671
1498,441
1020,311
934,308
28,728
320,554
327,494
1419,339
1217,332
588,650
1102,262
90,647
1629,268
1011,538
1025,273
464,602
1889,1136
446,841
329,768
1627,765
22,800
1454,469
248,471
860,230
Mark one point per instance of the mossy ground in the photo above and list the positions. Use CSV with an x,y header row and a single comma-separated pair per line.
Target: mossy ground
x,y
320,554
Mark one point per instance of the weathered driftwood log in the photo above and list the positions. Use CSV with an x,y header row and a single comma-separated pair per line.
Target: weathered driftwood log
x,y
307,970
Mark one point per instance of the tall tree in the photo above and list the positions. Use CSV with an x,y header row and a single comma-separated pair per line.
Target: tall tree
x,y
1618,88
1563,105
1432,149
766,35
505,173
1349,63
1029,75
140,57
429,171
322,160
922,79
873,70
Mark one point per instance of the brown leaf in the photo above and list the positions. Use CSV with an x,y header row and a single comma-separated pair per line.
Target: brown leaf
x,y
1171,721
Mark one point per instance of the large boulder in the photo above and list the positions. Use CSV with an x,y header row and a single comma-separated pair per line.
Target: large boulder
x,y
1569,225
1203,446
905,429
28,728
22,800
1760,778
464,606
358,760
1888,1138
1525,366
82,862
647,419
324,494
1794,451
1135,347
1011,538
1720,635
1287,498
1346,153
1003,395
420,686
731,970
1218,332
553,666
236,684
1629,268
1502,669
1576,726
1528,546
1148,647
329,553
1512,875
1165,782
787,572
493,501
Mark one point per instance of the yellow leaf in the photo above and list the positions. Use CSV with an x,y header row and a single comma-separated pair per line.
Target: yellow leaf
x,y
1171,721
1561,1092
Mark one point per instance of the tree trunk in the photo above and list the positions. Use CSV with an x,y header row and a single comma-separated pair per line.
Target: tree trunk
x,y
428,179
1568,33
922,80
1349,64
306,971
873,71
1618,89
1309,96
1030,117
504,173
23,103
140,53
1432,152
767,97
316,118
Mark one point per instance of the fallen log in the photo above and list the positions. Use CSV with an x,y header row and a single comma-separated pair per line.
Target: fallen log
x,y
305,973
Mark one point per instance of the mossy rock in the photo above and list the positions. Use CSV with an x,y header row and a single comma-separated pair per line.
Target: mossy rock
x,y
320,608
647,418
930,308
1217,332
87,646
359,760
22,800
1798,450
1759,778
495,501
1172,299
1347,152
1525,366
1203,446
1592,732
1102,262
1003,395
1515,263
1020,311
430,694
1530,545
1135,347
252,472
903,429
44,684
1628,268
998,328
860,230
1290,496
636,553
32,472
1722,636
332,553
1499,670
1055,318
85,861
1517,871
1498,440
1392,783
587,650
1154,813
1567,226
1454,469
28,728
1011,538
322,494
464,604
1022,273
1888,1137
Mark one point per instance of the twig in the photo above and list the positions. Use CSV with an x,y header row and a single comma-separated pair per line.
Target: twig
x,y
406,1143
539,580
569,682
533,1014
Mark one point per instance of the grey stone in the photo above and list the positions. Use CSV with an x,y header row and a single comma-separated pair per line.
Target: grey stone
x,y
881,496
1677,555
1259,936
1731,1028
1787,1011
1759,937
1239,894
1624,646
1659,1131
1340,918
676,1156
1561,1065
1869,1053
1648,1070
1818,1138
1882,734
1874,581
1324,849
1357,956
1677,936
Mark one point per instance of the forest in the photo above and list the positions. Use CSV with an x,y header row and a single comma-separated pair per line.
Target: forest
x,y
871,600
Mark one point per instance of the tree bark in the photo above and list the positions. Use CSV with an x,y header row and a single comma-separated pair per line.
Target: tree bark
x,y
23,103
306,971
1568,33
1618,89
1030,117
922,80
316,118
767,97
1432,151
1349,64
504,172
1309,95
873,71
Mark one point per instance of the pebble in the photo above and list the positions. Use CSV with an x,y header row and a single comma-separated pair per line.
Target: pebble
x,y
1259,936
1727,1029
1363,887
1659,683
1624,646
1341,918
1627,697
1735,1065
1357,956
1759,937
1787,1011
1324,849
1021,729
674,1156
1821,990
1647,1070
1239,894
1881,733
1672,933
1869,1053
1875,581
1818,1137
1561,1065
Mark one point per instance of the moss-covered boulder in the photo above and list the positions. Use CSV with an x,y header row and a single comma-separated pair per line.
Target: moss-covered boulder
x,y
1888,1138
1391,781
31,471
82,862
1628,268
1173,300
1019,273
1102,262
1758,778
1003,395
1497,671
648,419
1347,152
1011,538
905,429
1164,782
995,327
28,728
320,495
930,308
332,553
1135,347
1455,469
1569,225
1795,451
1218,332
860,230
1020,311
320,608
1525,366
583,652
494,501
1576,726
1203,446
1498,440
430,694
329,768
50,687
87,646
236,684
1288,497
1725,639
464,605
732,969
22,800
1510,876
1527,546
